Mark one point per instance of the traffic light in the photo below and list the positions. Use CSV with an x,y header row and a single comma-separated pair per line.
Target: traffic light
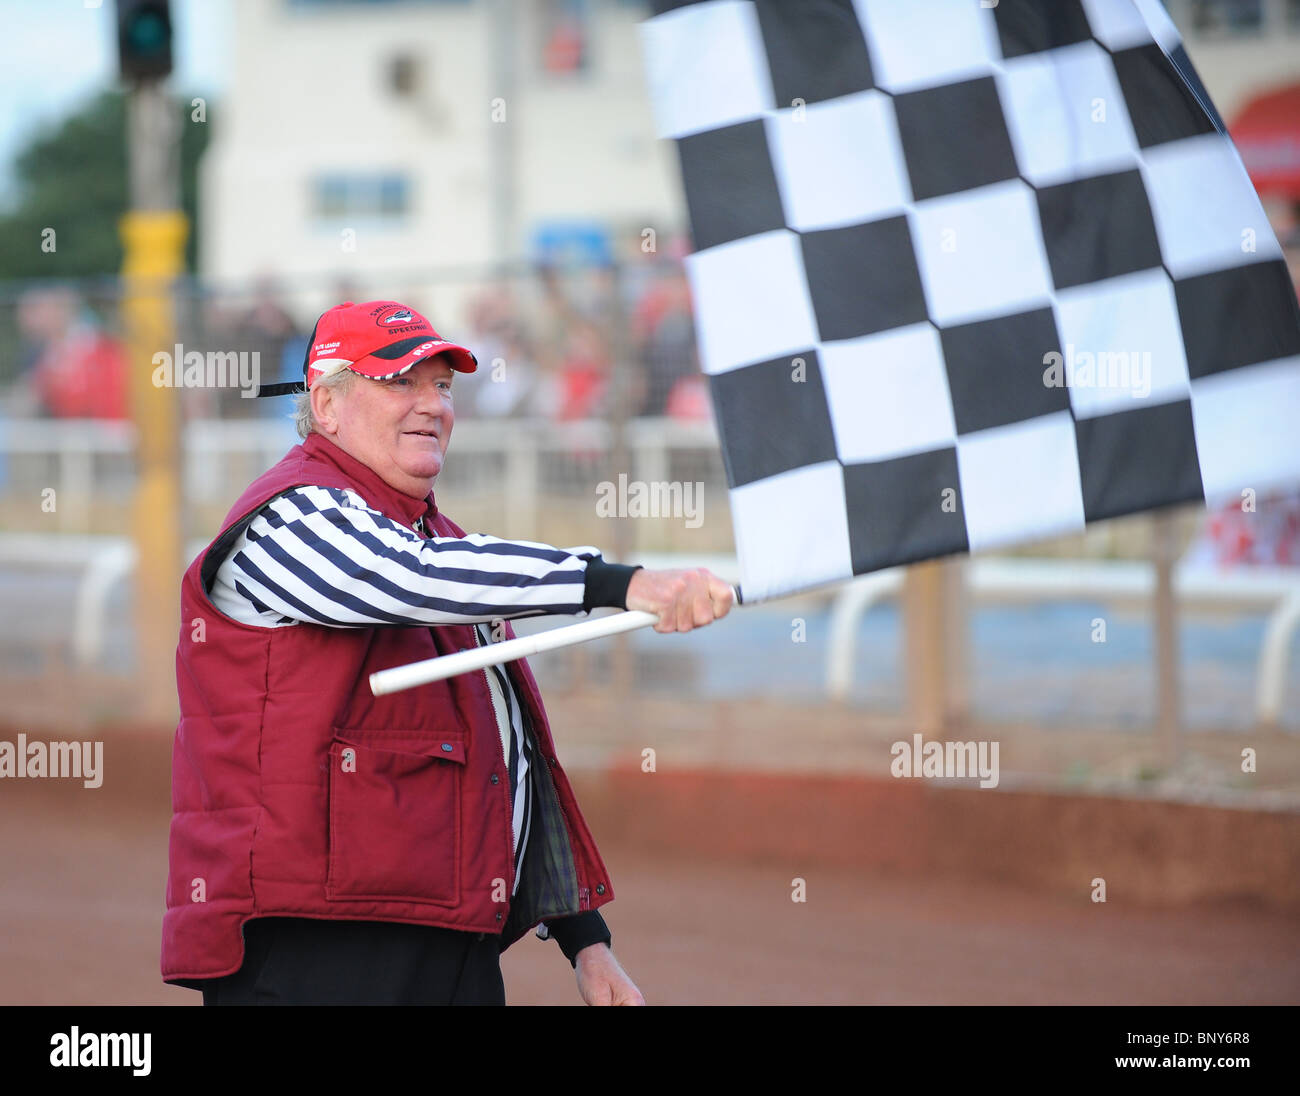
x,y
144,39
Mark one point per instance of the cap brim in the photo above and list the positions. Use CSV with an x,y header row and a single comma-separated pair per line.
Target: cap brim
x,y
393,360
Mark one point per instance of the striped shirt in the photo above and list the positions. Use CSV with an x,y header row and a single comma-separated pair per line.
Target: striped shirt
x,y
516,748
321,555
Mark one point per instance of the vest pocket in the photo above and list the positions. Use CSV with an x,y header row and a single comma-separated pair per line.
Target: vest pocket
x,y
395,816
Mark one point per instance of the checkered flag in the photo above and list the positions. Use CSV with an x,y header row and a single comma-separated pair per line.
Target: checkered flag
x,y
967,273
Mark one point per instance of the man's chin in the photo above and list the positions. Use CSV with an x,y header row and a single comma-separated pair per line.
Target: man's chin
x,y
423,470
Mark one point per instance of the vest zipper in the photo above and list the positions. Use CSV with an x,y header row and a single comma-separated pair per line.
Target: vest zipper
x,y
584,893
497,710
503,730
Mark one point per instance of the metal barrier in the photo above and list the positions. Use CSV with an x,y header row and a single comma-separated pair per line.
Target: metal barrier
x,y
212,447
1017,580
104,561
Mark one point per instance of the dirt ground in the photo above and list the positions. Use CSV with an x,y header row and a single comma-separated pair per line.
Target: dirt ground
x,y
82,900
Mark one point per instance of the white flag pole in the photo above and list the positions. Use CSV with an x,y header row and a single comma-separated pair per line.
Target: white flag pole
x,y
445,666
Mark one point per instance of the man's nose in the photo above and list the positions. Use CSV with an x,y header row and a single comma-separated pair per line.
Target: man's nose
x,y
428,398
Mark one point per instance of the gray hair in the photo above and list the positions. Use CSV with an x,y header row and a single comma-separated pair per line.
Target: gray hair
x,y
303,419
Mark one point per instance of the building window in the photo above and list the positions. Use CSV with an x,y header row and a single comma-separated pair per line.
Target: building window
x,y
375,197
565,37
1227,17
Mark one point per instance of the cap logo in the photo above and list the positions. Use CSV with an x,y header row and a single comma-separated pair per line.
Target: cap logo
x,y
401,315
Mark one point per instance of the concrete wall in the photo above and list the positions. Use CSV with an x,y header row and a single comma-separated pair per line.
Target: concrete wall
x,y
1149,852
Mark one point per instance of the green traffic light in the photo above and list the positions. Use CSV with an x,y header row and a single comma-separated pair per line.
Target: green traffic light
x,y
147,33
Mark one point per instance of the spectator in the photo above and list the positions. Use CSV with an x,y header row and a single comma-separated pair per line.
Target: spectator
x,y
77,370
503,349
664,335
584,375
1267,536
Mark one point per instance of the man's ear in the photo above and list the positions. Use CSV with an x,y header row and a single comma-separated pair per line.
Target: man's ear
x,y
324,409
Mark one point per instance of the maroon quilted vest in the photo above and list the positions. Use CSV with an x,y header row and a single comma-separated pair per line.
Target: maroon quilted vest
x,y
295,792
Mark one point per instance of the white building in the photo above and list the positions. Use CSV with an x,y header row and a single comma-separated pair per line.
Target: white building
x,y
375,140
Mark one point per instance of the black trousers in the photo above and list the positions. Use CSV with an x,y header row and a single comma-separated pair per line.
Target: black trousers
x,y
303,961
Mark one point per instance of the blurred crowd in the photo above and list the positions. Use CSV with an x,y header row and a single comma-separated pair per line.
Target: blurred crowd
x,y
550,353
1267,535
546,346
69,365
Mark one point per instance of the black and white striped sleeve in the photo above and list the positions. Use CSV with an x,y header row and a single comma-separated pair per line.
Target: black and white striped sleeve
x,y
320,555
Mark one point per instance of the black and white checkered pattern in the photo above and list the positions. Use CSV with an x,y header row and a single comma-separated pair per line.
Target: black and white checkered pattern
x,y
901,209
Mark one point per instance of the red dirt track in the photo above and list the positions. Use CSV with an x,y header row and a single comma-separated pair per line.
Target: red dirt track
x,y
84,874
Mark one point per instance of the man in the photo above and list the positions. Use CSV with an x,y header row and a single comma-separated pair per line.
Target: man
x,y
330,846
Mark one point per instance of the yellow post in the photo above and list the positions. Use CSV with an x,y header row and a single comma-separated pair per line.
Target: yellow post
x,y
155,254
924,669
1168,691
935,655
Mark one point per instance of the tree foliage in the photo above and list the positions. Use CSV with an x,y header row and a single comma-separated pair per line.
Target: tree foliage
x,y
73,179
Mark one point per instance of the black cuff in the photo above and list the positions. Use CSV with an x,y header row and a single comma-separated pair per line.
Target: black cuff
x,y
578,932
606,584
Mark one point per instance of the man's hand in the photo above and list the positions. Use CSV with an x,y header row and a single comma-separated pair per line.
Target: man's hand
x,y
601,980
681,599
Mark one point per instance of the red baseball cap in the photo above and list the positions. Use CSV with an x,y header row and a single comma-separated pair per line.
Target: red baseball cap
x,y
378,339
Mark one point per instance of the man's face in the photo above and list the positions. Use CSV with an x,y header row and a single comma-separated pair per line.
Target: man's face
x,y
399,428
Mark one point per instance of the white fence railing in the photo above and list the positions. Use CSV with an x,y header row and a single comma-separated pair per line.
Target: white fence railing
x,y
1114,582
103,562
211,446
